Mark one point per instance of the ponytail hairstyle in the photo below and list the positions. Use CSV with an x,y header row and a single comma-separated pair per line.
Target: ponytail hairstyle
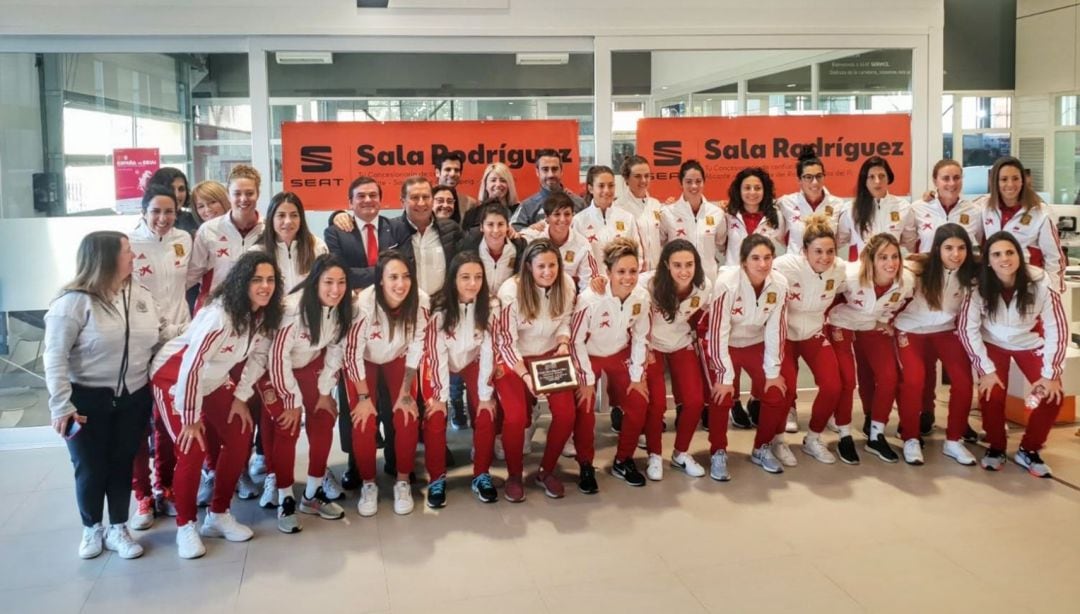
x,y
448,301
768,202
690,165
305,241
807,157
528,293
664,294
1028,199
233,293
990,286
153,191
311,306
405,315
629,162
165,176
863,207
932,276
618,248
817,226
866,259
591,175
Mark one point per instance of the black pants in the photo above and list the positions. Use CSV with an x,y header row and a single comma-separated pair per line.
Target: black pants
x,y
103,451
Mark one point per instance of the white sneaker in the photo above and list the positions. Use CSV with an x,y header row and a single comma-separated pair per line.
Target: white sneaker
x,y
331,487
956,451
143,518
763,457
569,451
718,467
119,540
206,488
682,460
403,501
246,488
92,541
257,467
792,425
782,451
224,525
816,449
655,469
831,425
641,443
188,543
369,500
500,453
269,498
913,452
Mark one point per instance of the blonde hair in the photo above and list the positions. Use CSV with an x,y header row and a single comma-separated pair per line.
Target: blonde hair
x,y
817,226
97,266
618,248
245,171
211,191
866,258
500,170
528,294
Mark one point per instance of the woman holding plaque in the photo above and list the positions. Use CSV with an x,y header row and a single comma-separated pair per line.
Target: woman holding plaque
x,y
610,333
386,340
534,325
458,341
681,293
999,323
747,330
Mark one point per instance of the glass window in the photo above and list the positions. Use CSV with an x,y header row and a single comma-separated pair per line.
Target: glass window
x,y
979,113
1068,110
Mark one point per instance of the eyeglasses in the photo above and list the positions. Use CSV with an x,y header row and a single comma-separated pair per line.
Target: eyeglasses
x,y
440,200
809,178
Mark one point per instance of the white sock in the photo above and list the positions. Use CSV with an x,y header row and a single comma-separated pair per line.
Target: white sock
x,y
845,431
284,492
812,436
313,484
876,428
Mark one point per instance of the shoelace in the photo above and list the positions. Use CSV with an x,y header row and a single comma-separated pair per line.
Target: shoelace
x,y
484,482
437,487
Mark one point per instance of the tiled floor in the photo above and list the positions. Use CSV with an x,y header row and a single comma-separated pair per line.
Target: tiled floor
x,y
876,537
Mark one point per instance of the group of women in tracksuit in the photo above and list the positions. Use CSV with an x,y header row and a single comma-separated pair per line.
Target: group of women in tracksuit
x,y
632,291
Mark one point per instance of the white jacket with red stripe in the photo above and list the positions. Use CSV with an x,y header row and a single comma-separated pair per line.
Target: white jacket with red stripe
x,y
918,317
601,227
892,216
741,317
707,230
161,265
497,271
810,294
864,310
1012,330
450,352
927,217
211,347
1036,232
795,209
292,348
517,338
577,257
737,233
289,262
218,245
679,333
369,337
604,325
646,212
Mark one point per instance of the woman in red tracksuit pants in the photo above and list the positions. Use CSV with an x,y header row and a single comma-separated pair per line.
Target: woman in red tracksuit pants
x,y
458,341
1001,323
746,332
926,332
610,333
877,286
195,394
534,322
305,359
386,340
815,276
681,294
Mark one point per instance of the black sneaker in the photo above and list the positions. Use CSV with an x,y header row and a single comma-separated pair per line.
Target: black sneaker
x,y
459,419
627,471
705,418
287,520
350,479
739,418
587,481
926,423
881,448
484,489
753,409
846,449
970,436
616,419
436,493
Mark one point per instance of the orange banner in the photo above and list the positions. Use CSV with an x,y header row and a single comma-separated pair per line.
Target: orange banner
x,y
725,145
321,159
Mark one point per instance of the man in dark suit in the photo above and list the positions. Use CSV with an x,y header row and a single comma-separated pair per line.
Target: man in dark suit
x,y
430,243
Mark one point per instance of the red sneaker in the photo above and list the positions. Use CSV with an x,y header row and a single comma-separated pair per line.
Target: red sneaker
x,y
514,491
552,486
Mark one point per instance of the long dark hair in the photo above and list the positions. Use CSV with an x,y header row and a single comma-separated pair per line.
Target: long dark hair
x,y
234,295
591,175
405,314
1027,197
990,287
165,176
863,208
311,306
932,277
305,241
664,294
768,202
448,301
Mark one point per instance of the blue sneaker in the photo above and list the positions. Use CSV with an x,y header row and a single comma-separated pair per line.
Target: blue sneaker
x,y
436,493
484,488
